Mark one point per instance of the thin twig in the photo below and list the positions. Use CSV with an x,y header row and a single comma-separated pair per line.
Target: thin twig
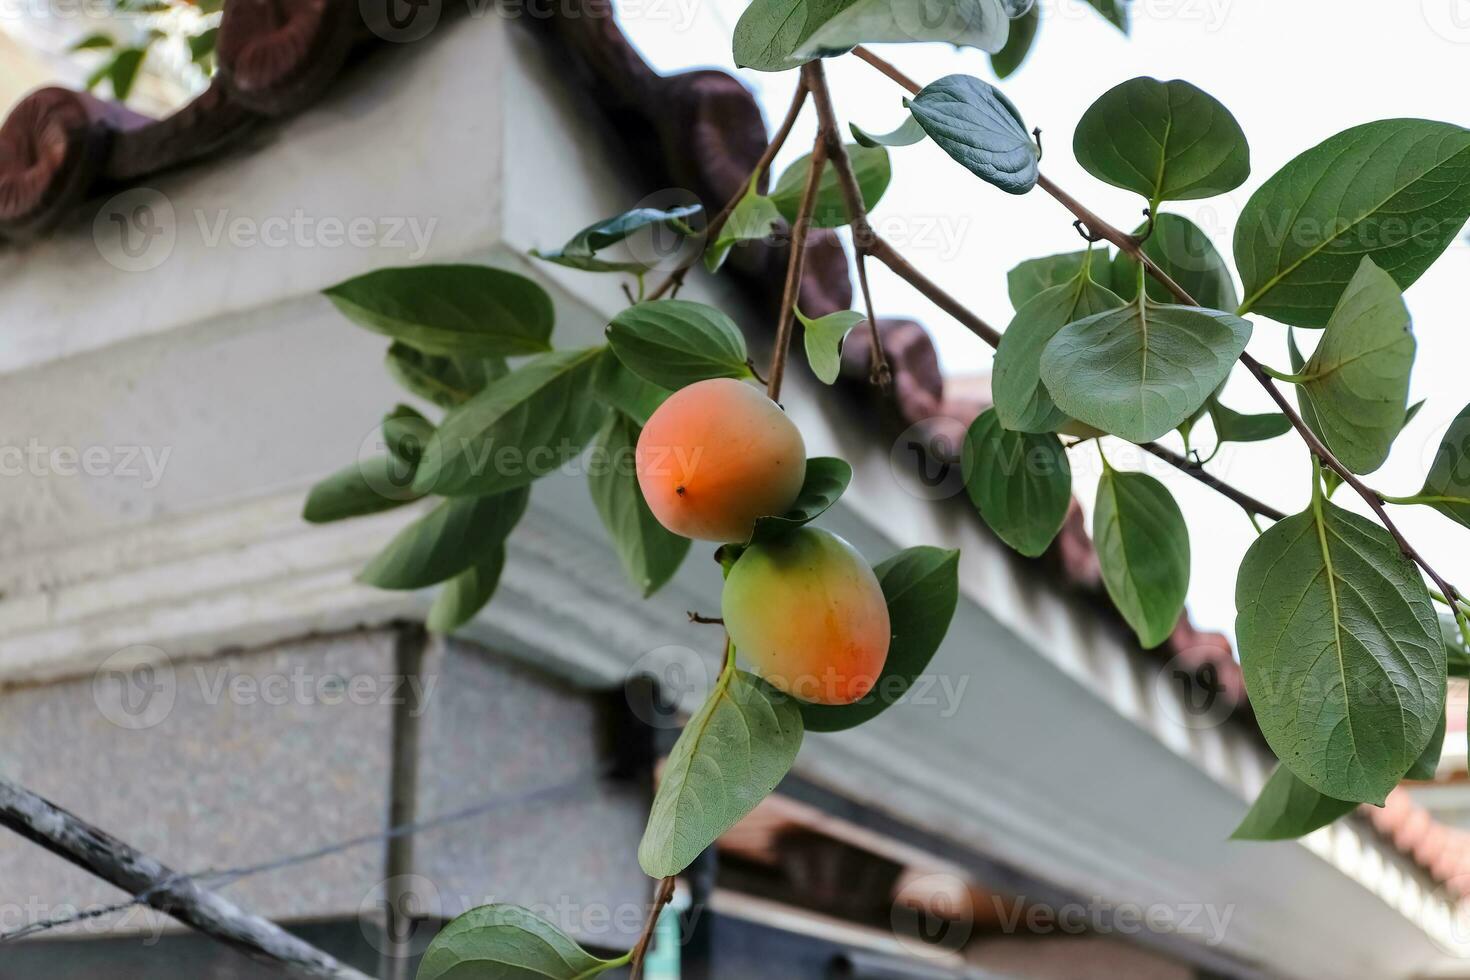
x,y
1128,243
888,255
800,231
857,213
717,224
660,899
1191,468
695,617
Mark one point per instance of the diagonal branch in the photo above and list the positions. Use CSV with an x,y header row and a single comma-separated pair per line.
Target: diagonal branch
x,y
97,851
857,212
800,231
1103,230
717,223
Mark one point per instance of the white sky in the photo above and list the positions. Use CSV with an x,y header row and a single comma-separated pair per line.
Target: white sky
x,y
1292,73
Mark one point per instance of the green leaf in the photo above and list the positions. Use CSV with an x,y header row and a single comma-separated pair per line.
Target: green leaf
x,y
405,431
450,309
826,479
1396,190
1037,275
1022,403
1457,647
446,381
581,251
730,756
869,165
1288,808
1427,764
504,942
751,220
1021,483
1166,141
202,45
673,342
617,387
1357,380
921,587
1447,487
1182,250
519,429
770,31
368,487
1114,11
979,24
1232,426
449,539
1140,371
1341,650
650,554
467,593
823,339
123,71
978,126
93,42
1143,548
1023,35
908,133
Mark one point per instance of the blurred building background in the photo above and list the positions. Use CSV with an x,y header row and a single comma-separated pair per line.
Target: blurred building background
x,y
187,664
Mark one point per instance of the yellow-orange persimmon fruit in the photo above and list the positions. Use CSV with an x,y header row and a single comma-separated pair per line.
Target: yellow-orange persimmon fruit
x,y
808,613
716,455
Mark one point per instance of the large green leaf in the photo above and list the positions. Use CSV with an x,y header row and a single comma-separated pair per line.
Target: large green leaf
x,y
1037,275
468,592
823,339
367,487
1396,190
869,165
673,342
826,479
581,251
1288,808
450,309
504,942
730,756
1341,651
1024,29
1143,550
770,31
1140,371
1020,482
617,387
921,587
1167,141
519,429
445,381
1182,250
452,537
977,125
1357,379
649,552
981,24
1447,487
1022,403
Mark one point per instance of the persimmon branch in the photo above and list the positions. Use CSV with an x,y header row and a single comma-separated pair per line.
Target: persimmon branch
x,y
718,222
1104,230
640,950
857,213
800,231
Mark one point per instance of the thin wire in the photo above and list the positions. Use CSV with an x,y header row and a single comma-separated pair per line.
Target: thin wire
x,y
228,876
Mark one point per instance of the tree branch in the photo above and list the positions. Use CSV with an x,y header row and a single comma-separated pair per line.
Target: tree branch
x,y
717,223
98,852
661,898
1103,230
852,194
800,230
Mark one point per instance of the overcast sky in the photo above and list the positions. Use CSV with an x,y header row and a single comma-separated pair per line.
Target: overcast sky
x,y
1292,73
